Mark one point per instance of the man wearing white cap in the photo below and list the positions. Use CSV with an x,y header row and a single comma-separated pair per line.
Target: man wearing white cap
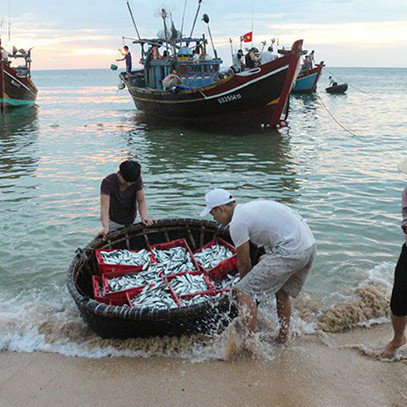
x,y
398,302
289,245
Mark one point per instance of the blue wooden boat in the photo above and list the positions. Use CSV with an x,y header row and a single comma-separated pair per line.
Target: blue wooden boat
x,y
307,79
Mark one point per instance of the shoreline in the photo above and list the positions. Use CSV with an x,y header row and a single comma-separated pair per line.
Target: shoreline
x,y
335,369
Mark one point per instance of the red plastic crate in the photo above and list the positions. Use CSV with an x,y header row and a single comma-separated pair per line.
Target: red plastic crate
x,y
119,299
113,274
97,282
225,266
177,243
209,283
130,295
103,267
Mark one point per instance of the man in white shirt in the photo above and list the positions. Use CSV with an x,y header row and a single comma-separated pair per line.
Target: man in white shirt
x,y
267,56
290,251
237,63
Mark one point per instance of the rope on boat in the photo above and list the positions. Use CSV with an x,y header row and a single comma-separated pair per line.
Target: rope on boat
x,y
360,90
333,117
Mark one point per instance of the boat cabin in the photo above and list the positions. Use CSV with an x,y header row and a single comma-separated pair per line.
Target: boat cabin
x,y
192,64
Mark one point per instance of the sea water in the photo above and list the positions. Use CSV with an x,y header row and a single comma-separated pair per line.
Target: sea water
x,y
336,163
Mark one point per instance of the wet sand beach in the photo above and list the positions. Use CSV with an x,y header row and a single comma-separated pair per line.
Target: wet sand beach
x,y
329,370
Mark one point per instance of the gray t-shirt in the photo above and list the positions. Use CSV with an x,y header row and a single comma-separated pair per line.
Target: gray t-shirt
x,y
271,225
123,203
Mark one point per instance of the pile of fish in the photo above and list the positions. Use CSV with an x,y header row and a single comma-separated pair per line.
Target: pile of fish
x,y
157,297
212,256
197,299
189,284
127,257
161,284
227,282
172,261
132,280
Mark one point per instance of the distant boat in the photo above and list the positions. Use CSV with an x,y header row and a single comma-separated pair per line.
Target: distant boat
x,y
335,88
205,96
307,79
16,87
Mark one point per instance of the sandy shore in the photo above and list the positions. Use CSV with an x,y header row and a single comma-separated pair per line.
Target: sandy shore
x,y
332,370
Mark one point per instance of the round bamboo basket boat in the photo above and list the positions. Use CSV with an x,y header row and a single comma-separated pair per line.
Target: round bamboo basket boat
x,y
123,321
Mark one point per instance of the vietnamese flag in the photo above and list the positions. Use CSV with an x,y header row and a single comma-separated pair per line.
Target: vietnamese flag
x,y
248,37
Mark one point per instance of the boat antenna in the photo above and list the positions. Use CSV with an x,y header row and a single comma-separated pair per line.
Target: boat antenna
x,y
9,23
206,20
252,20
196,16
134,22
183,17
231,46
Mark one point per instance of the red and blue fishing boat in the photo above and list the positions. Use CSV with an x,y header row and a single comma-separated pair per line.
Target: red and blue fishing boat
x,y
308,78
204,95
16,86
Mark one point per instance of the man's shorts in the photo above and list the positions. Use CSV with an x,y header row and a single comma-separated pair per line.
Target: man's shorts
x,y
398,302
277,272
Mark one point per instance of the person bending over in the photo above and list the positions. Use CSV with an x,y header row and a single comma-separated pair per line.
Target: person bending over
x,y
290,251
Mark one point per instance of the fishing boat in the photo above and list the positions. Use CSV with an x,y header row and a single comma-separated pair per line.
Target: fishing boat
x,y
307,79
337,88
205,95
123,321
16,86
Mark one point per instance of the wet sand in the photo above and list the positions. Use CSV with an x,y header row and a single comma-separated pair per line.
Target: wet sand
x,y
328,370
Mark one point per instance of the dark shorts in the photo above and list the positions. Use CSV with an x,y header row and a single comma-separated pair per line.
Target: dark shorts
x,y
398,302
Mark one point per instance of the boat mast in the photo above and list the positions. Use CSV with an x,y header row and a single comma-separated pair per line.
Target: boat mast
x,y
196,16
134,22
183,17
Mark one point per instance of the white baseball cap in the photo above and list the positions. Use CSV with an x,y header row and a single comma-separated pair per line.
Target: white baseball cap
x,y
216,197
402,166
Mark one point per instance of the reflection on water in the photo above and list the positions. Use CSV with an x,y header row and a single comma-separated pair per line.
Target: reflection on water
x,y
187,162
18,135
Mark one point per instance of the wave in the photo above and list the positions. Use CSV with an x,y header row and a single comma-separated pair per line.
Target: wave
x,y
48,320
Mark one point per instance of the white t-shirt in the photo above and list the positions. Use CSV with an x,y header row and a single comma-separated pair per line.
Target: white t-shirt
x,y
237,62
271,225
267,56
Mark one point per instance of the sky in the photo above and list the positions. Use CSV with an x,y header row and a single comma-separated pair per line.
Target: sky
x,y
84,34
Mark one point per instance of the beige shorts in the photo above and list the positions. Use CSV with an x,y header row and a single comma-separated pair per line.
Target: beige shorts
x,y
277,272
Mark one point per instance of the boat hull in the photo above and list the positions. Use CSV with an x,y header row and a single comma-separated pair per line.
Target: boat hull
x,y
253,97
15,90
307,81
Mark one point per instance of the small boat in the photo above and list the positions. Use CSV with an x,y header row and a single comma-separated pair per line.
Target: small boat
x,y
205,96
16,86
335,88
118,321
307,79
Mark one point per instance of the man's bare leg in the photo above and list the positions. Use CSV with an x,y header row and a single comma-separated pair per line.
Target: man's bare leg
x,y
399,338
247,311
284,315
